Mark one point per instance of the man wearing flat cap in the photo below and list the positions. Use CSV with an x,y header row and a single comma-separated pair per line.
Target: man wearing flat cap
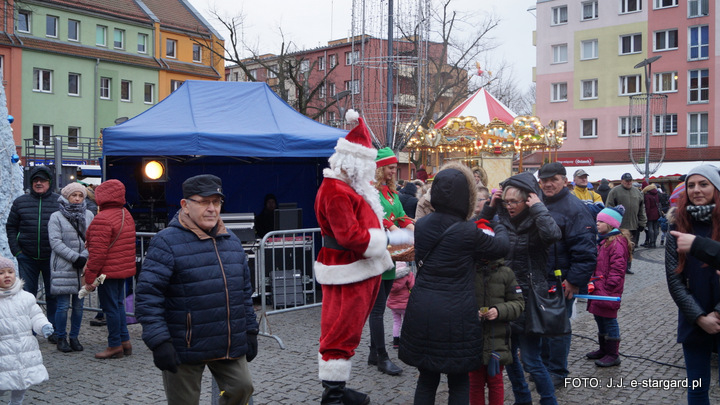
x,y
27,233
194,300
635,218
575,255
593,201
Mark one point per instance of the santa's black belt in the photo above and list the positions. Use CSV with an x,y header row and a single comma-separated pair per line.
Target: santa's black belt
x,y
332,243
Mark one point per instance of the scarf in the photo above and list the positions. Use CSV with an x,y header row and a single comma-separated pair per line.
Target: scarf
x,y
75,213
701,213
602,237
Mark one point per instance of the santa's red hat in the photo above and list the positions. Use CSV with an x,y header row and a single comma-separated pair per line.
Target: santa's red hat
x,y
357,142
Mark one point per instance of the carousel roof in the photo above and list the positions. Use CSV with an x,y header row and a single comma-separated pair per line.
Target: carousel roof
x,y
481,105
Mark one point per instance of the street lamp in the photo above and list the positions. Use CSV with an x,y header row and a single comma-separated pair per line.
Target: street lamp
x,y
647,64
343,108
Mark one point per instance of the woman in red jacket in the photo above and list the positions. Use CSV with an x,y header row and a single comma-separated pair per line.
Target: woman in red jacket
x,y
111,251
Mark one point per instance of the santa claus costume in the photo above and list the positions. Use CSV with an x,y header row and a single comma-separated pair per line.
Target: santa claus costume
x,y
353,256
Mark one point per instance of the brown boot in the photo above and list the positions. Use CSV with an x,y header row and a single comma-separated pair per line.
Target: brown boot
x,y
110,353
127,348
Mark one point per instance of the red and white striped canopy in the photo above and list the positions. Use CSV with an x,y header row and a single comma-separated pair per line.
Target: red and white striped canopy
x,y
481,105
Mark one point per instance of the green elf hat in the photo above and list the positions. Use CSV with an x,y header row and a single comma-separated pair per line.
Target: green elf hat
x,y
385,156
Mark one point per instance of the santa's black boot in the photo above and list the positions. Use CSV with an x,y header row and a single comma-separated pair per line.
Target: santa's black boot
x,y
352,397
333,394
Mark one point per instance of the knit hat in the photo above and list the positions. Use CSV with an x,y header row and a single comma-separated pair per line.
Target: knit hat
x,y
73,187
710,172
6,263
612,216
385,156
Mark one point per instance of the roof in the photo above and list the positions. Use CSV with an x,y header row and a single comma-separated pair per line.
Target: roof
x,y
614,172
483,106
221,119
177,14
119,8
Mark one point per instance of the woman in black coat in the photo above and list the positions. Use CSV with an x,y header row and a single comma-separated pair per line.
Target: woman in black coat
x,y
441,332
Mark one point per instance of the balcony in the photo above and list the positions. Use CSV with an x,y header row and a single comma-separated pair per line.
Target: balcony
x,y
75,151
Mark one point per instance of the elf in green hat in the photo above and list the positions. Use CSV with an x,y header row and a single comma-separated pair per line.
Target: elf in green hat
x,y
394,218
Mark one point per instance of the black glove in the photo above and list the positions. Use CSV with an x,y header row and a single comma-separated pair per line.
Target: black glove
x,y
641,228
252,345
80,262
165,357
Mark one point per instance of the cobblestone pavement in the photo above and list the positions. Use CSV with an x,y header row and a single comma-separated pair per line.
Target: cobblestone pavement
x,y
648,320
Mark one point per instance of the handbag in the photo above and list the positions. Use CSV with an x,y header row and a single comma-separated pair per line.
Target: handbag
x,y
546,316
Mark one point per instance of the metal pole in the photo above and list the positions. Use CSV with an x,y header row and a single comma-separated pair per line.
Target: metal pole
x,y
389,135
648,127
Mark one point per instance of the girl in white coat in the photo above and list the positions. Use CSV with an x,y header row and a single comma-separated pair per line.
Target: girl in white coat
x,y
21,363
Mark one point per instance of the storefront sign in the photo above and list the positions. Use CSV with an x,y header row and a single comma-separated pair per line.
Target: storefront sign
x,y
578,161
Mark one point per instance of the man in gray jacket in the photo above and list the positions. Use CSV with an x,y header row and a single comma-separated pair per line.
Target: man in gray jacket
x,y
634,219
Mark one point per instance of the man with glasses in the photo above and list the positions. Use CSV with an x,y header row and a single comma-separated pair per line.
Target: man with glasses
x,y
27,234
194,300
575,254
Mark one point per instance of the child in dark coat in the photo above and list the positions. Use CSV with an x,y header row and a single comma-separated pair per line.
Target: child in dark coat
x,y
500,300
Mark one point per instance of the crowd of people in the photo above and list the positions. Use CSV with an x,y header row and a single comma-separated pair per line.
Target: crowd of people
x,y
462,308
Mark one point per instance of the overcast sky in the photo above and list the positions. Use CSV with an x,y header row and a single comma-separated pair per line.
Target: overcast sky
x,y
309,27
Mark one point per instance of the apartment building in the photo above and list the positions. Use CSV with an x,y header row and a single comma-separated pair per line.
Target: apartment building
x,y
587,51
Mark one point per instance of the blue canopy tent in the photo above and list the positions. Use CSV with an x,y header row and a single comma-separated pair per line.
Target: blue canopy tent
x,y
242,132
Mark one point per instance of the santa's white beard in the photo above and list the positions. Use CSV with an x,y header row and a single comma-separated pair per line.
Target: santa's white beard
x,y
359,173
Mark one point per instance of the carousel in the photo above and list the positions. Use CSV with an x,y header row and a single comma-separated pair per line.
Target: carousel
x,y
484,132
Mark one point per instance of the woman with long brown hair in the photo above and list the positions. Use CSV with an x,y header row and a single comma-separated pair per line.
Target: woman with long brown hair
x,y
694,286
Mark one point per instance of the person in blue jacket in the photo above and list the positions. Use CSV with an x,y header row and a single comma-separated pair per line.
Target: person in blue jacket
x,y
194,300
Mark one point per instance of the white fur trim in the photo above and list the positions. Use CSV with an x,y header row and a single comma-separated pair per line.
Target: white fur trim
x,y
351,116
355,149
334,369
377,244
360,270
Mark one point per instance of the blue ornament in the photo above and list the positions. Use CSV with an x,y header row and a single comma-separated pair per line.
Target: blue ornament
x,y
15,158
11,118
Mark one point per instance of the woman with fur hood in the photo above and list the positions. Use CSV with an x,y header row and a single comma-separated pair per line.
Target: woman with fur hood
x,y
441,332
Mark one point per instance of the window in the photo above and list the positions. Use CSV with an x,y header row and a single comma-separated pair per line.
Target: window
x,y
73,84
589,10
665,124
353,85
559,92
51,26
149,97
665,3
272,72
589,49
42,80
630,85
589,89
559,15
105,83
665,82
560,53
253,74
321,63
304,65
331,118
351,57
699,42
73,137
197,53
630,6
101,35
142,43
666,40
321,91
332,89
697,129
698,8
333,60
171,48
42,134
73,30
125,90
630,44
118,39
589,128
630,125
175,84
699,86
23,21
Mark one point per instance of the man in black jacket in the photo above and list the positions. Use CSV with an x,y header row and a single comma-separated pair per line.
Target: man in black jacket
x,y
27,234
575,254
